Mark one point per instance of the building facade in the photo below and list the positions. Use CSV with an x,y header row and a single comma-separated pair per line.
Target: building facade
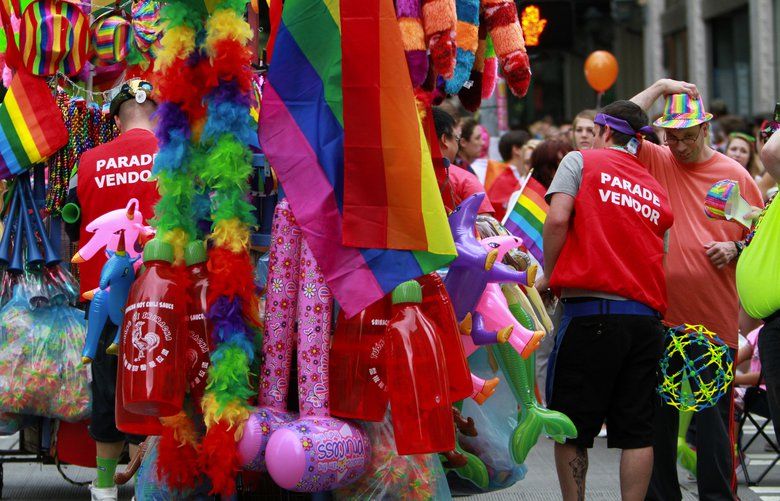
x,y
728,48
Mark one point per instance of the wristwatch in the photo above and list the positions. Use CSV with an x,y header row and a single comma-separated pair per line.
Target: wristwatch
x,y
739,246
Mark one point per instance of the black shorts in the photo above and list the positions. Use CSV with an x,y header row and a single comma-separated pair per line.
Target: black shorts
x,y
604,367
102,426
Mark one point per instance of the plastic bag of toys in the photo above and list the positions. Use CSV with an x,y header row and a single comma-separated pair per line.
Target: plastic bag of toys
x,y
394,477
41,373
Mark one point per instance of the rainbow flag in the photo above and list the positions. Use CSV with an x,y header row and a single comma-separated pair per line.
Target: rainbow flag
x,y
31,125
391,197
526,219
310,131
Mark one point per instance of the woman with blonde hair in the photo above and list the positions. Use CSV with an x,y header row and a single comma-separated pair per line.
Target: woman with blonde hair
x,y
583,130
742,148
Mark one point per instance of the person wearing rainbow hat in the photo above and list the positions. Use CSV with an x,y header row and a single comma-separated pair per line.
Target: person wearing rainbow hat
x,y
700,276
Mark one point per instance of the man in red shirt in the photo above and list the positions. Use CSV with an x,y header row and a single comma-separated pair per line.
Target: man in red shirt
x,y
455,184
603,254
700,271
106,178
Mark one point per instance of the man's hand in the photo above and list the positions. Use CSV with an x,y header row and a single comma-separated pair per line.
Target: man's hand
x,y
542,285
721,253
670,86
663,87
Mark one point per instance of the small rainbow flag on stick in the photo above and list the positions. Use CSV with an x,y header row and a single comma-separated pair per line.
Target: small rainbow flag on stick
x,y
526,219
31,126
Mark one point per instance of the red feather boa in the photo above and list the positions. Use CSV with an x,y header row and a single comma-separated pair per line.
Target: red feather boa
x,y
219,458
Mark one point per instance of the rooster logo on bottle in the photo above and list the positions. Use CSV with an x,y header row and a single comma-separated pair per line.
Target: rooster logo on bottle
x,y
142,342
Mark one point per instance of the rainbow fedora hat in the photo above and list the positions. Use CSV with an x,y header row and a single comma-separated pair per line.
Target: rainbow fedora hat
x,y
682,111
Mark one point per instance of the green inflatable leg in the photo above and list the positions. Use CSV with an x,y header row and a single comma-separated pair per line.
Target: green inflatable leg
x,y
685,455
533,419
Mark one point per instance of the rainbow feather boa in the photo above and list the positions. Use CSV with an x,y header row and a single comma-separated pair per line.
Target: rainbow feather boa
x,y
232,304
204,127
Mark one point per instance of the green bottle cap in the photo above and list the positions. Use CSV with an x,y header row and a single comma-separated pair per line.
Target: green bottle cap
x,y
157,250
407,292
195,253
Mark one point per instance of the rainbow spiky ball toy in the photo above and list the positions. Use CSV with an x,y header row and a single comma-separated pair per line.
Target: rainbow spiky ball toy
x,y
696,355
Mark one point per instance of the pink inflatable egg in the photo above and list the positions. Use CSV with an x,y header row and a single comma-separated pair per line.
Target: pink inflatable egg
x,y
257,431
317,454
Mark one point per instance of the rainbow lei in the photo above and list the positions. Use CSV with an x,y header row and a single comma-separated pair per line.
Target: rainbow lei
x,y
180,111
232,306
204,128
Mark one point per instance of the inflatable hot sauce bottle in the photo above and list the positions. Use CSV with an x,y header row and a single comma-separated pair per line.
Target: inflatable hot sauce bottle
x,y
417,377
154,337
437,305
198,347
359,353
128,422
358,375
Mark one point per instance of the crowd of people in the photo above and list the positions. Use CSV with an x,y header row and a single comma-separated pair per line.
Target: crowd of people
x,y
628,249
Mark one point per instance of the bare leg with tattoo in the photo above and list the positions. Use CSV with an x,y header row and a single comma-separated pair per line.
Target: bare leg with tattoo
x,y
636,466
571,462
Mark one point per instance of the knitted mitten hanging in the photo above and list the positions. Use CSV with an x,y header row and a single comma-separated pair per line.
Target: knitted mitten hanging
x,y
409,14
467,39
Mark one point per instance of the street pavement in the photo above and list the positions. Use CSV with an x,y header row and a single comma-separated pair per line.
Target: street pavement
x,y
44,483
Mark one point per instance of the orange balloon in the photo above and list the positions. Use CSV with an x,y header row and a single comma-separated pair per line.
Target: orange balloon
x,y
601,70
255,7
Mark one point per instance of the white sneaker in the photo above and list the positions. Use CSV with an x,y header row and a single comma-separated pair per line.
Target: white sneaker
x,y
104,493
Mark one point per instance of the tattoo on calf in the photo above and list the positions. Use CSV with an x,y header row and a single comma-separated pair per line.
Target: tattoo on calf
x,y
579,468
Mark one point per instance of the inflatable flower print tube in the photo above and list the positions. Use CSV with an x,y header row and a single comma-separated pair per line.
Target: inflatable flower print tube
x,y
314,452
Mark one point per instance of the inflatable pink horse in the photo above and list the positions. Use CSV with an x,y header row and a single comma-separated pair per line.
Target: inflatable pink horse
x,y
106,231
493,322
127,223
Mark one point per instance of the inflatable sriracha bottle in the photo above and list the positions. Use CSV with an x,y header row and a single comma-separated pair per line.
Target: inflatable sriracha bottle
x,y
417,378
437,306
198,348
126,421
154,337
358,356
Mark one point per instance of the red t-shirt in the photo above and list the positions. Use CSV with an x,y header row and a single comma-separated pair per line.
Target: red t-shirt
x,y
698,292
110,175
462,184
501,191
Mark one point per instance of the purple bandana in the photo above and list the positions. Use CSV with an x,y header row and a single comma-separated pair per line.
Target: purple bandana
x,y
619,125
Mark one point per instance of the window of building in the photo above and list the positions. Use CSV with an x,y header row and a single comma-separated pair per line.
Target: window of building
x,y
777,50
676,55
730,35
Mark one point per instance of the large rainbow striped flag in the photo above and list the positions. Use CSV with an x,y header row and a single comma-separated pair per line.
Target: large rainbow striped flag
x,y
31,125
526,219
341,145
391,197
